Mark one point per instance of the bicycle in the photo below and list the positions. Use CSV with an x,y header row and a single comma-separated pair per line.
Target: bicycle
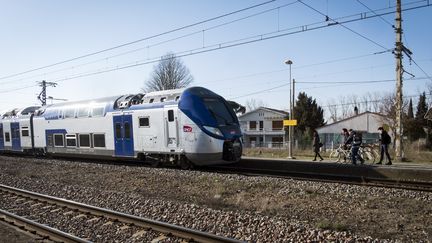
x,y
365,152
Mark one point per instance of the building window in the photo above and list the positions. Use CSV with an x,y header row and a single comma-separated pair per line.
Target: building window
x,y
7,137
25,131
99,140
144,122
170,115
261,125
71,140
277,125
84,140
58,140
252,125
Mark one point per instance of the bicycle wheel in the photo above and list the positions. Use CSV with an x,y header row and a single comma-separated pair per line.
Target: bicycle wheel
x,y
335,156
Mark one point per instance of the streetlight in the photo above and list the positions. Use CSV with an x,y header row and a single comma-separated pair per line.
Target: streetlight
x,y
290,128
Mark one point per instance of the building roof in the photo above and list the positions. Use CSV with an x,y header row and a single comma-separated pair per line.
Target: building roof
x,y
280,112
365,121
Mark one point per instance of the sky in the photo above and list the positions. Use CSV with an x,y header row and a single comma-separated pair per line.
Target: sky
x,y
234,48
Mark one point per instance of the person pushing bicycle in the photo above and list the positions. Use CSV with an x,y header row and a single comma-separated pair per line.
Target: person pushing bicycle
x,y
355,140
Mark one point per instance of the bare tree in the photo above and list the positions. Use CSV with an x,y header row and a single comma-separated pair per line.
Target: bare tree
x,y
169,73
252,104
333,110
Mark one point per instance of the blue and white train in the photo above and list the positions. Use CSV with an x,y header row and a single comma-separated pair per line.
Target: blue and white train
x,y
185,127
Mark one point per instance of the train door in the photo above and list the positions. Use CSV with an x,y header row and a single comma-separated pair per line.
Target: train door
x,y
15,135
123,135
171,127
1,137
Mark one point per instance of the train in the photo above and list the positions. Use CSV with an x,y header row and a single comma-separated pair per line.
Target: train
x,y
183,127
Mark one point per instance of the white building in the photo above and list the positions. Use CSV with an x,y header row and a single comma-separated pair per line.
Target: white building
x,y
263,127
367,123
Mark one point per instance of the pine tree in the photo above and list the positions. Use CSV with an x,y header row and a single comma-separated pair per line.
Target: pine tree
x,y
421,108
308,113
410,114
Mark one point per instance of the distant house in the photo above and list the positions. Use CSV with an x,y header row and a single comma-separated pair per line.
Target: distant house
x,y
263,127
367,123
428,114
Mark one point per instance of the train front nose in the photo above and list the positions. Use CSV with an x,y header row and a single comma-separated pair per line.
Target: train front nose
x,y
232,150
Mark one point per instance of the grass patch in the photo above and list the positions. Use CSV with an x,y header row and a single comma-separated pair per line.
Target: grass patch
x,y
327,225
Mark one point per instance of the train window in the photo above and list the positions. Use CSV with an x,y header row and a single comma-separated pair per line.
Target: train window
x,y
7,137
144,122
83,112
71,140
58,140
99,140
162,99
177,98
25,131
170,115
69,113
98,111
118,130
151,100
127,130
84,140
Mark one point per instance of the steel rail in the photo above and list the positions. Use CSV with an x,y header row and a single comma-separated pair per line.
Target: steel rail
x,y
181,232
39,229
326,177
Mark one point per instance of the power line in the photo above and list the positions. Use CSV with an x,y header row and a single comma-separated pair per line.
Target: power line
x,y
139,40
234,43
368,101
159,43
338,23
338,82
383,19
257,38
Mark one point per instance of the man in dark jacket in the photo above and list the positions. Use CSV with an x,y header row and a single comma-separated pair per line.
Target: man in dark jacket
x,y
385,140
355,140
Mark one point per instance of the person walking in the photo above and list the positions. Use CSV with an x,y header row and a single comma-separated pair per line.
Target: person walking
x,y
385,140
355,139
345,135
316,145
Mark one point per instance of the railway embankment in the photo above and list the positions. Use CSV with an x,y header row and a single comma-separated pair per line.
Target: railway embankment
x,y
249,208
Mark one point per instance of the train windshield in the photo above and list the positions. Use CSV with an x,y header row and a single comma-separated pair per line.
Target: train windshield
x,y
219,110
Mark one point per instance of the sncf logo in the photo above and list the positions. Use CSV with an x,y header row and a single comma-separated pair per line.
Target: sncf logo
x,y
187,129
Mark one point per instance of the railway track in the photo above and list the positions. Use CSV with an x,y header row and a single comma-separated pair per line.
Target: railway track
x,y
37,210
363,180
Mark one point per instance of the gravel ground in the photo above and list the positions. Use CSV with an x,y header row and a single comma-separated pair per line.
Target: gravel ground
x,y
12,235
258,209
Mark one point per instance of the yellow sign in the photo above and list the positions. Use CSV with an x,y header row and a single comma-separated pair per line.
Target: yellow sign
x,y
287,123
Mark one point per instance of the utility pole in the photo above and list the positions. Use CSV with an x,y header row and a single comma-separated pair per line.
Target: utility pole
x,y
290,131
399,72
42,96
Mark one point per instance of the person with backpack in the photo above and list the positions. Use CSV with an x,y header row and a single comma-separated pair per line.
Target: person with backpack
x,y
385,140
355,139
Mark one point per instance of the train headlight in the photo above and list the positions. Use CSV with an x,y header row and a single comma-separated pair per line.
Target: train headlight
x,y
213,130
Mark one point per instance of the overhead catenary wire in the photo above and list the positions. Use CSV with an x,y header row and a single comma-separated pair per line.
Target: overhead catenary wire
x,y
140,40
158,43
341,24
303,28
261,37
230,44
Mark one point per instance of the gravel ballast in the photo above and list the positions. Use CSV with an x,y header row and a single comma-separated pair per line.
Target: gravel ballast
x,y
258,209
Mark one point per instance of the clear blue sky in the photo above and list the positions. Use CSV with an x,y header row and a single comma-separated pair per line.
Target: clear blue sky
x,y
39,33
